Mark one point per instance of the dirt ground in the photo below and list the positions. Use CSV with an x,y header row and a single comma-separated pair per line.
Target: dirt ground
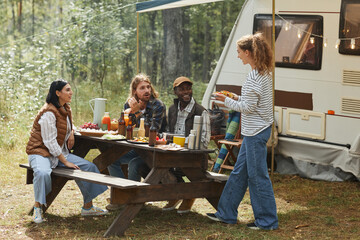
x,y
307,209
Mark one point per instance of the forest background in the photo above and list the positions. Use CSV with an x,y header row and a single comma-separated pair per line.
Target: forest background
x,y
92,44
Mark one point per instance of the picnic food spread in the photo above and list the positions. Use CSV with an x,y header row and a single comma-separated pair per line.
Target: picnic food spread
x,y
226,93
140,140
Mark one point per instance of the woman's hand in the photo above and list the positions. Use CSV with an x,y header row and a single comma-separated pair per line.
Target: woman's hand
x,y
235,96
67,163
219,96
71,165
71,140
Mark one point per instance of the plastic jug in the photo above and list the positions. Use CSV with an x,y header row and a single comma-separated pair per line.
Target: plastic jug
x,y
98,107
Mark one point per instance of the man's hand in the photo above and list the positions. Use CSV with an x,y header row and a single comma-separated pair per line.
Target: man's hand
x,y
134,105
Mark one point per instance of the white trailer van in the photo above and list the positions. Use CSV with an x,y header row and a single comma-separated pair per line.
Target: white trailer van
x,y
317,81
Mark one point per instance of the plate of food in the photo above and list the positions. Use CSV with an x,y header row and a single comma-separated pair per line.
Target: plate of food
x,y
113,137
95,132
140,140
226,93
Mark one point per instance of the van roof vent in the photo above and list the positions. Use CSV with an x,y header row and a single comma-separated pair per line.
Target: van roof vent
x,y
351,77
350,105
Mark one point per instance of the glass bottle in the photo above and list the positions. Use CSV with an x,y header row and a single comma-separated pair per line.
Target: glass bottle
x,y
152,133
106,122
147,125
129,130
141,132
122,126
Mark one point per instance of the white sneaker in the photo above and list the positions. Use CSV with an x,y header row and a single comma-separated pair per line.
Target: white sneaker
x,y
93,211
37,215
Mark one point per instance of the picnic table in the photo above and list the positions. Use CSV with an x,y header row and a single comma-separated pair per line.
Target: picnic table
x,y
159,185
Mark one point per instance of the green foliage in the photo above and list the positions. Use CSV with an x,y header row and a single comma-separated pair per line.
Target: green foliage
x,y
92,44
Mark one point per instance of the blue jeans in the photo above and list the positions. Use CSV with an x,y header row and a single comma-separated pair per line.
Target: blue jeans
x,y
136,166
250,170
42,179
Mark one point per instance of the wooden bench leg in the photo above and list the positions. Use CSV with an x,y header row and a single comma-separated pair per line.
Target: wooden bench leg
x,y
123,220
57,183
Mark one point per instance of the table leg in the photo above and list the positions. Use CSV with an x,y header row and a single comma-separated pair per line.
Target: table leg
x,y
123,220
196,175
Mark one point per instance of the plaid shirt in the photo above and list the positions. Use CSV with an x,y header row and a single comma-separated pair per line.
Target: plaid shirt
x,y
155,108
181,117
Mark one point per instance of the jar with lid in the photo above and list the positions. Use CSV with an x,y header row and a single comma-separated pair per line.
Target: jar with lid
x,y
106,122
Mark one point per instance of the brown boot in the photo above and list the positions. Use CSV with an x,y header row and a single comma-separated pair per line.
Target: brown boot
x,y
171,205
186,205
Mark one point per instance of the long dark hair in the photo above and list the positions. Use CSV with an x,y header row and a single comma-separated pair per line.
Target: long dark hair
x,y
56,85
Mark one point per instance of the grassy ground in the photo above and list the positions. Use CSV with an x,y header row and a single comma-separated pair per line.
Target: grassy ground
x,y
307,209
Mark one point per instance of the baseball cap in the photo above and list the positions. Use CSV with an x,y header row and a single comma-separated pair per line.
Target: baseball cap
x,y
181,80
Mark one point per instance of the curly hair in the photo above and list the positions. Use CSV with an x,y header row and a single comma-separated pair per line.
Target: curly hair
x,y
260,51
135,82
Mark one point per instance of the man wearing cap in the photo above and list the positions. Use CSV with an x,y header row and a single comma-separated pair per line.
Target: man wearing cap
x,y
180,121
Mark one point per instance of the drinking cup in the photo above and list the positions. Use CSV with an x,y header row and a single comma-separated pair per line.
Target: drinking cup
x,y
179,140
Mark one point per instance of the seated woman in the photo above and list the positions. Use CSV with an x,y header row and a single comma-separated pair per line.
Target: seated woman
x,y
51,137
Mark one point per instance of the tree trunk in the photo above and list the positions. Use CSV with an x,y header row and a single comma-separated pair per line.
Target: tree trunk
x,y
33,18
224,19
13,19
206,55
186,39
19,15
154,52
172,64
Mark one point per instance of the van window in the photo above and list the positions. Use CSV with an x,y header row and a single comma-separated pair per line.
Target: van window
x,y
349,27
297,39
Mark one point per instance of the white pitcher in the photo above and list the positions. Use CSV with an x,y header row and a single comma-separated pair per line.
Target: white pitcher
x,y
98,109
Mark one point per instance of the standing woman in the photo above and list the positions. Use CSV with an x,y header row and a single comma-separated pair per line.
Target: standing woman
x,y
255,105
51,137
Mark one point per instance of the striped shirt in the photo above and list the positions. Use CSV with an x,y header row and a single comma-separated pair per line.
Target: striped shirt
x,y
255,103
49,133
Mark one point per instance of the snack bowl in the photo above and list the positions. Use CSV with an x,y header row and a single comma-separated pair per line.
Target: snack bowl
x,y
160,142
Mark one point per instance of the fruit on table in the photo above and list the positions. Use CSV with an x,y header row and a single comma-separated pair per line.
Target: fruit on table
x,y
90,125
114,124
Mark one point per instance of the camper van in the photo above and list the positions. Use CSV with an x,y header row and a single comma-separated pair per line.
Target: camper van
x,y
317,82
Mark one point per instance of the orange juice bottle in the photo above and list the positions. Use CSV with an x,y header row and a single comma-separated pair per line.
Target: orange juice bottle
x,y
106,122
126,118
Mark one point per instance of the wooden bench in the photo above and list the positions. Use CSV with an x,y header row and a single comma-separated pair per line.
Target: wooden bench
x,y
76,174
61,175
134,194
217,177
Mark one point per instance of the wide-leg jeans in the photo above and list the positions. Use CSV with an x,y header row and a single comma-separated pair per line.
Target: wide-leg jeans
x,y
42,179
250,170
136,166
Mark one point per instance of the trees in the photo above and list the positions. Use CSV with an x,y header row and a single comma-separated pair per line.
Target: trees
x,y
93,43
